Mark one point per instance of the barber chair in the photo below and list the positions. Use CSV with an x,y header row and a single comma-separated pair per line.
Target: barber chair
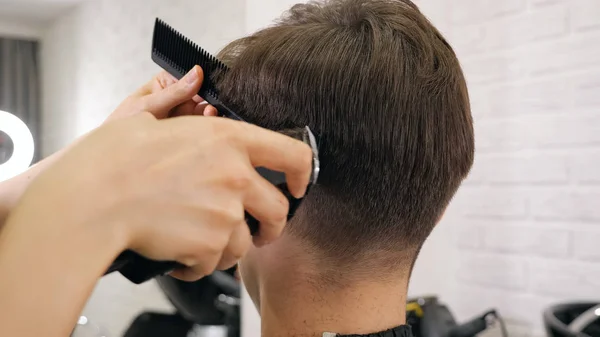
x,y
209,307
573,320
430,318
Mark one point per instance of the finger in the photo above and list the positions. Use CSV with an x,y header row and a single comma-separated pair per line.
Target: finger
x,y
164,79
267,205
211,111
200,109
157,83
264,148
187,274
185,109
178,93
191,108
239,243
205,267
204,109
279,153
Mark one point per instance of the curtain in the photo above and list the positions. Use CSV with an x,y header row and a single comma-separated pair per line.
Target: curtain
x,y
20,84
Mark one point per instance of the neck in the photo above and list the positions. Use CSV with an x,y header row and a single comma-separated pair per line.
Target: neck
x,y
293,302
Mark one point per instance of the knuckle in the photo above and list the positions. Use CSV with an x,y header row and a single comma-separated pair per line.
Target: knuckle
x,y
234,131
230,212
217,244
209,266
140,104
164,79
242,248
240,180
146,117
226,264
130,101
284,202
280,213
179,90
237,217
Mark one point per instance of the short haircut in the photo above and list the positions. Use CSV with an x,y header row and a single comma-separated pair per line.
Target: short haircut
x,y
385,94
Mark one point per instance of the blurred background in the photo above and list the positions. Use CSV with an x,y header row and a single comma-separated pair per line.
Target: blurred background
x,y
521,235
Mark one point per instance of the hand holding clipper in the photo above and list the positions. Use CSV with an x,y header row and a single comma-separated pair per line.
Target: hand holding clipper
x,y
139,269
175,53
202,219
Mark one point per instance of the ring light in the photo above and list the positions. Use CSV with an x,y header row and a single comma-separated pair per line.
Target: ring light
x,y
23,147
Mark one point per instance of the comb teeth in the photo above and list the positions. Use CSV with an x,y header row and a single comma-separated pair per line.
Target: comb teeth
x,y
177,54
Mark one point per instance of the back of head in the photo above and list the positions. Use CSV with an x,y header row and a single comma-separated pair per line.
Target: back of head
x,y
385,95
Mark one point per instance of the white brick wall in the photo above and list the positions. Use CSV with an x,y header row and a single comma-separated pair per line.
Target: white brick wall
x,y
528,219
585,245
585,14
498,271
523,239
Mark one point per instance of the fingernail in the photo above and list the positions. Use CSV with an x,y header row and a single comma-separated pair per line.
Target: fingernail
x,y
192,76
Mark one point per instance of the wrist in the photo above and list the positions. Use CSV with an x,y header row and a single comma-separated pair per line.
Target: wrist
x,y
12,190
37,235
50,268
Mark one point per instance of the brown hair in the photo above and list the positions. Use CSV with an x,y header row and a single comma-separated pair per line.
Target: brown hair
x,y
385,94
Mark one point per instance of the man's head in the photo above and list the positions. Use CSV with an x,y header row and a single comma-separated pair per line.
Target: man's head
x,y
385,95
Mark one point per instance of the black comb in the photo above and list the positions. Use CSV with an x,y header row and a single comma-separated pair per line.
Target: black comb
x,y
177,55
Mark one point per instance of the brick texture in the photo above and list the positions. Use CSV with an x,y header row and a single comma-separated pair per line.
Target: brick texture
x,y
586,14
585,245
529,215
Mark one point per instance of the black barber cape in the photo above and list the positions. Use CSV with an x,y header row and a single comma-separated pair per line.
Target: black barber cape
x,y
400,331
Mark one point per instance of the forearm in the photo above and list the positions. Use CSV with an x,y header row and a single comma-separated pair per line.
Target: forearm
x,y
11,190
48,274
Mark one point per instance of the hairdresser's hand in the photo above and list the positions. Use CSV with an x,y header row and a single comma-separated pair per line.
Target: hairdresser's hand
x,y
158,95
173,189
163,96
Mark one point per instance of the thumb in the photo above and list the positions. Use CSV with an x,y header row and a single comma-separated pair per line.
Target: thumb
x,y
182,91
